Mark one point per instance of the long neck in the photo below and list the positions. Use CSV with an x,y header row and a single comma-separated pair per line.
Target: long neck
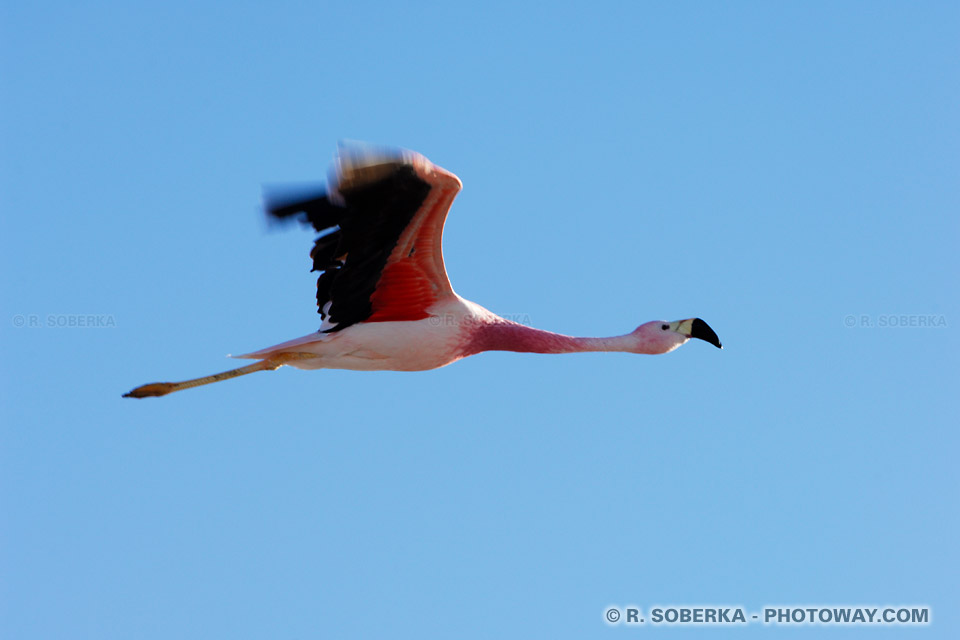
x,y
503,335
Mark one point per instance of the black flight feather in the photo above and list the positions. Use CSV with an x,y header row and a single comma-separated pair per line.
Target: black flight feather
x,y
359,236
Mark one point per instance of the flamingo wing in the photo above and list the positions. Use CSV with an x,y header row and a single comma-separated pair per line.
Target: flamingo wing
x,y
380,250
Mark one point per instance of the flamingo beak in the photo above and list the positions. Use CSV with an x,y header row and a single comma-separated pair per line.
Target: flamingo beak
x,y
697,328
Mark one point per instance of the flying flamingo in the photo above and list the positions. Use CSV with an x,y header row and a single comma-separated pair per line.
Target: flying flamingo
x,y
383,293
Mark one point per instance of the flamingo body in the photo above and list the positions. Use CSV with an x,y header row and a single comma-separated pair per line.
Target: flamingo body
x,y
443,337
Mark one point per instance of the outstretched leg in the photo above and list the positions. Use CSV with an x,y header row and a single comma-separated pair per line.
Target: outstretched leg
x,y
163,388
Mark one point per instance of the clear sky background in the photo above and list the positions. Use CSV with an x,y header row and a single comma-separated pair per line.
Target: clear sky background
x,y
782,170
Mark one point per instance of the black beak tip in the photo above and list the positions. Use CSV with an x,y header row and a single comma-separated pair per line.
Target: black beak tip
x,y
703,331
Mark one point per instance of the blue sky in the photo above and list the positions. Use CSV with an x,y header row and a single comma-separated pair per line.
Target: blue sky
x,y
782,170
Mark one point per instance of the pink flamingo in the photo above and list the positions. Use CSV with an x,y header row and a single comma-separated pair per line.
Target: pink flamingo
x,y
383,294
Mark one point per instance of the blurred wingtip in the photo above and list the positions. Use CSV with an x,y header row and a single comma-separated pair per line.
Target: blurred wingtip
x,y
281,203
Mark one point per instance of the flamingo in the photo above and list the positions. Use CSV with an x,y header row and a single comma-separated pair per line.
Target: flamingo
x,y
383,293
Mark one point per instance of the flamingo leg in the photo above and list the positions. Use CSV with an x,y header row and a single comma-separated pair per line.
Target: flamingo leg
x,y
155,389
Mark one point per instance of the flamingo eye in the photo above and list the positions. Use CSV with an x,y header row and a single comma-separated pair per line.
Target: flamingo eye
x,y
664,326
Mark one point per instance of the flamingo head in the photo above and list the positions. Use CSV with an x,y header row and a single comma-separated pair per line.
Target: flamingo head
x,y
660,336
